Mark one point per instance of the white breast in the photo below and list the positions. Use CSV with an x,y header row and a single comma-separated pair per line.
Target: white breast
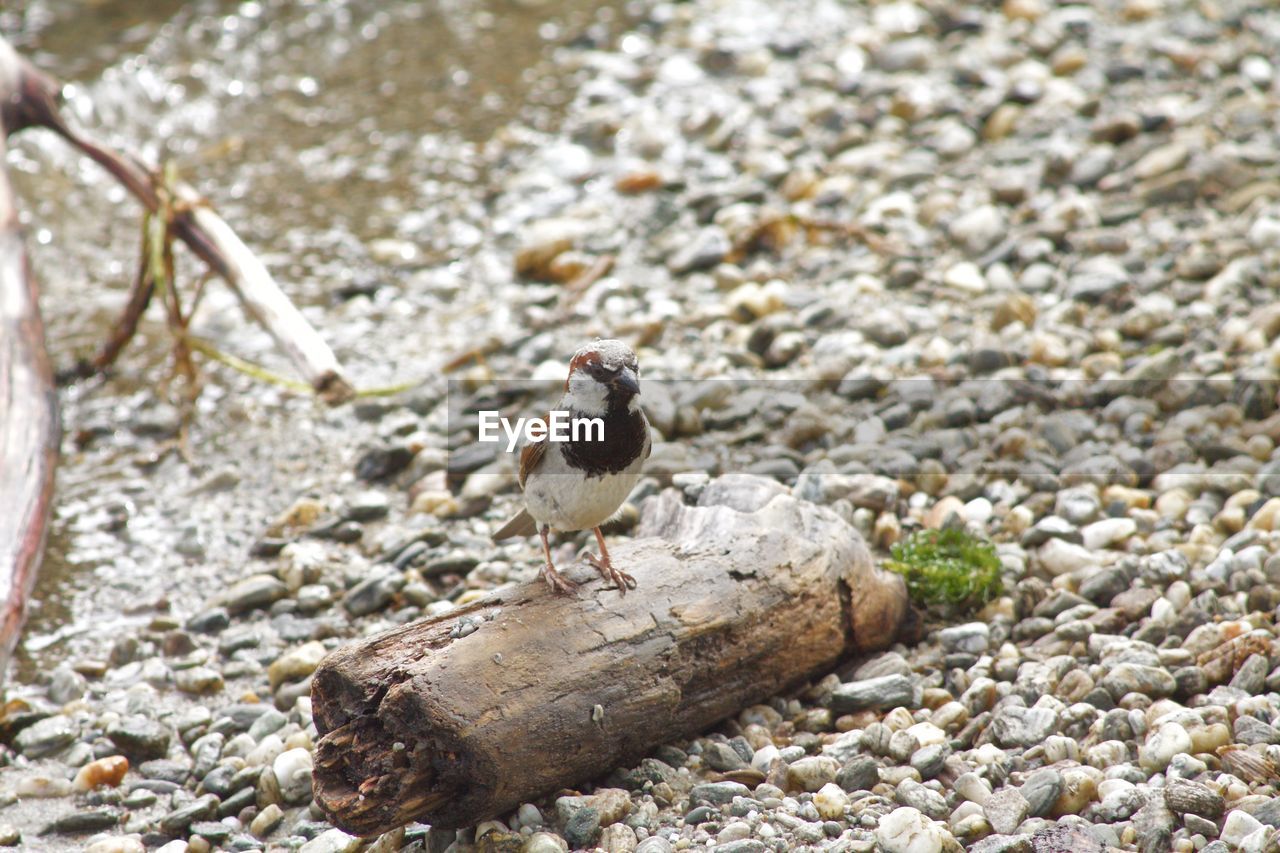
x,y
567,499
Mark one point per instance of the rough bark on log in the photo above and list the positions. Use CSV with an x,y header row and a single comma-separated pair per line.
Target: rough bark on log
x,y
29,425
29,98
462,717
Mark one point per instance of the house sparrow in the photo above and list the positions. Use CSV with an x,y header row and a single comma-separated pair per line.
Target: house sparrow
x,y
573,485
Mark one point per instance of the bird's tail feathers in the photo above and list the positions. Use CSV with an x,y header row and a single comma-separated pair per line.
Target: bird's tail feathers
x,y
522,525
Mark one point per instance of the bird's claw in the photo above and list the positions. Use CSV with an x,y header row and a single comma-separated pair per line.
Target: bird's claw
x,y
618,578
558,582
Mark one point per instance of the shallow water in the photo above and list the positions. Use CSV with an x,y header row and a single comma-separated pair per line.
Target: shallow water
x,y
350,144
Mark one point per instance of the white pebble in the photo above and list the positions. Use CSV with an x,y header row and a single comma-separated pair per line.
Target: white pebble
x,y
907,830
831,801
965,276
1265,233
266,751
117,844
331,841
1238,825
1060,557
978,510
1102,533
1162,745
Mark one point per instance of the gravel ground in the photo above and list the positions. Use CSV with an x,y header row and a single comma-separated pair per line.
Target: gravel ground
x,y
1018,265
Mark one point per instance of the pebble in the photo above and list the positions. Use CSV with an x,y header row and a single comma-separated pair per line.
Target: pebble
x,y
292,770
253,592
811,773
1237,827
140,738
332,841
885,692
906,830
46,736
108,771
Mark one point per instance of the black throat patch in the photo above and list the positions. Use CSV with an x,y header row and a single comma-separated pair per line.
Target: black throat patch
x,y
624,436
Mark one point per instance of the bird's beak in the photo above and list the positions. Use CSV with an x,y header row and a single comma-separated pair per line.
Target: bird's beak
x,y
627,380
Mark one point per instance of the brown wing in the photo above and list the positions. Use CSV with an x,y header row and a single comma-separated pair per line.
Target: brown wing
x,y
530,456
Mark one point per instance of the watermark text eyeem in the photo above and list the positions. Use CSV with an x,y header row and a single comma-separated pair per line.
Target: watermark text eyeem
x,y
559,425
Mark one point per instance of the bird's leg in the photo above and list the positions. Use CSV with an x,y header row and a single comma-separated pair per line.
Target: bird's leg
x,y
604,566
555,580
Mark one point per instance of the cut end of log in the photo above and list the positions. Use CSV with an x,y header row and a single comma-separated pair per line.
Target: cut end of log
x,y
370,786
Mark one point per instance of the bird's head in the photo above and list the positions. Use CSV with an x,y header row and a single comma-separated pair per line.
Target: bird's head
x,y
603,375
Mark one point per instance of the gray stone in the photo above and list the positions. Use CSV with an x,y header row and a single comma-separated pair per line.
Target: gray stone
x,y
722,757
373,593
253,592
707,248
1152,681
1251,730
179,820
718,793
1252,675
859,774
884,693
1006,809
926,800
928,761
581,829
1016,726
971,638
1050,527
176,772
140,738
1041,790
1183,796
46,736
1267,813
66,685
80,822
743,845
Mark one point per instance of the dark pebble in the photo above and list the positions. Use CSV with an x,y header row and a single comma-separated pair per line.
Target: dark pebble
x,y
233,804
383,462
718,793
701,814
311,828
179,820
267,547
672,756
581,829
165,770
140,739
238,718
373,593
859,774
214,831
81,822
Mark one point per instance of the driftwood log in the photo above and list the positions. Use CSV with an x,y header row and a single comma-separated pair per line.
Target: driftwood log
x,y
462,717
29,424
